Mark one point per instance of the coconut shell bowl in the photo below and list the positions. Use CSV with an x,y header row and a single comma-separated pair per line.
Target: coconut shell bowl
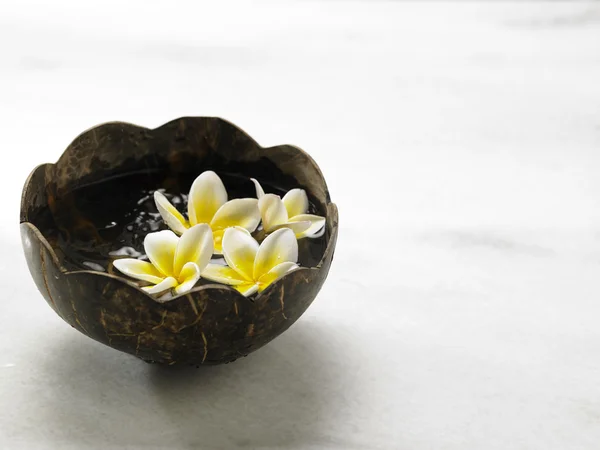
x,y
96,205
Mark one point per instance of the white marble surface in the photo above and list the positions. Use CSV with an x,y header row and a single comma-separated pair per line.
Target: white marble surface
x,y
461,143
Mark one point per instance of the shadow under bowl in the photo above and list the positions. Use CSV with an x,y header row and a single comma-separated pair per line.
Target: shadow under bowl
x,y
212,323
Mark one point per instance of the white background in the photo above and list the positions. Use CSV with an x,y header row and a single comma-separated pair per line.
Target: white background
x,y
461,143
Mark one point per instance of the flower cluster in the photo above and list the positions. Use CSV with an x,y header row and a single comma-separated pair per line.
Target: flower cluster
x,y
179,257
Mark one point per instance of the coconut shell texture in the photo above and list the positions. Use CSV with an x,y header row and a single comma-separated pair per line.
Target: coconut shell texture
x,y
211,324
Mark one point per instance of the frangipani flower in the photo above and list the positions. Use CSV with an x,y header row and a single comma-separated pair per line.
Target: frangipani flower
x,y
207,203
291,212
175,262
253,267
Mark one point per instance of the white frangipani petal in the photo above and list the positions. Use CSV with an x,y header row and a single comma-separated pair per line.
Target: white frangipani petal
x,y
318,234
296,202
280,246
141,270
272,211
297,227
165,297
259,190
240,212
275,274
160,249
207,195
316,224
189,276
239,250
167,283
223,274
247,289
195,245
172,217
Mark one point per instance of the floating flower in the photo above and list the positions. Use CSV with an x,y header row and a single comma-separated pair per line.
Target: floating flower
x,y
253,267
175,262
289,212
207,203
